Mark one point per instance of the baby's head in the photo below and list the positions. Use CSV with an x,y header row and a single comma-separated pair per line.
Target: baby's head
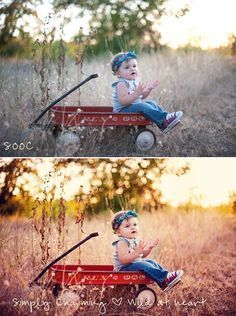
x,y
125,224
124,65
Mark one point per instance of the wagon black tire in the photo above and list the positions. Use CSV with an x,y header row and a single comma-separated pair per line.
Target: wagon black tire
x,y
56,289
145,139
145,299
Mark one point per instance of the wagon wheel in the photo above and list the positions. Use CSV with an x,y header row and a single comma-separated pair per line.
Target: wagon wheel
x,y
145,298
68,295
145,139
67,142
56,289
56,130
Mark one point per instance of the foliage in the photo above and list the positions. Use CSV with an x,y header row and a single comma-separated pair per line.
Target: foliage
x,y
13,37
10,171
232,43
233,201
119,25
119,183
114,184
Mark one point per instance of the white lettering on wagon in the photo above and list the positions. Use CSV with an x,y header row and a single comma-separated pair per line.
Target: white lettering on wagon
x,y
99,277
133,118
113,277
90,278
110,276
89,119
126,118
106,118
134,277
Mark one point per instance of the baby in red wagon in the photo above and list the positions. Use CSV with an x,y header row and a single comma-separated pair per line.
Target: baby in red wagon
x,y
130,253
130,93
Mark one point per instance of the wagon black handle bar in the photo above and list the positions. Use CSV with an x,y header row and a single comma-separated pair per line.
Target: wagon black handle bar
x,y
62,97
62,256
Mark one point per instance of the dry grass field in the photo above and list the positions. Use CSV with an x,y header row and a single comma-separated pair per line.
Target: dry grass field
x,y
201,84
201,243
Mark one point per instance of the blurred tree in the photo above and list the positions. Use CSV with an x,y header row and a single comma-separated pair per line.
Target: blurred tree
x,y
10,170
232,198
117,25
232,43
13,37
114,184
122,183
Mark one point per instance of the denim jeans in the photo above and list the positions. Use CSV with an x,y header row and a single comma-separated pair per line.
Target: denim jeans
x,y
149,109
149,267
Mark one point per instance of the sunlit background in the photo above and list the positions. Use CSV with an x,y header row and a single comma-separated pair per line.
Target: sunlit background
x,y
209,182
208,24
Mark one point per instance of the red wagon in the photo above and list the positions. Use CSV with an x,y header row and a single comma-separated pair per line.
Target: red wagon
x,y
103,116
99,116
61,278
133,284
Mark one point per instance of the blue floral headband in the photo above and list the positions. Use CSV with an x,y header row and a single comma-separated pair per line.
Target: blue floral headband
x,y
120,59
119,218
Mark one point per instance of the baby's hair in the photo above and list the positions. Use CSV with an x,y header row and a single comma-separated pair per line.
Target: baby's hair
x,y
120,216
113,62
119,58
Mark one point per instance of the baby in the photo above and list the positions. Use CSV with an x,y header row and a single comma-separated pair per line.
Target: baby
x,y
129,93
130,253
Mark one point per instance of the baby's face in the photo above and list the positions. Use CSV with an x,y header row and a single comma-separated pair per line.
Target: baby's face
x,y
128,70
128,228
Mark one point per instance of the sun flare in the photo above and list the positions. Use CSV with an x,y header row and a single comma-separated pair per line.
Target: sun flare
x,y
208,24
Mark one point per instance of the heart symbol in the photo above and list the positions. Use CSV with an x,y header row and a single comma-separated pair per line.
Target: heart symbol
x,y
116,302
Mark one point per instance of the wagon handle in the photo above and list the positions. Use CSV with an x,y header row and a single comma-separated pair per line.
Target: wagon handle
x,y
62,256
62,97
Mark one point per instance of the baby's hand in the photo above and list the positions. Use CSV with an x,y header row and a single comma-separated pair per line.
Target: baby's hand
x,y
152,84
153,243
140,248
140,88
